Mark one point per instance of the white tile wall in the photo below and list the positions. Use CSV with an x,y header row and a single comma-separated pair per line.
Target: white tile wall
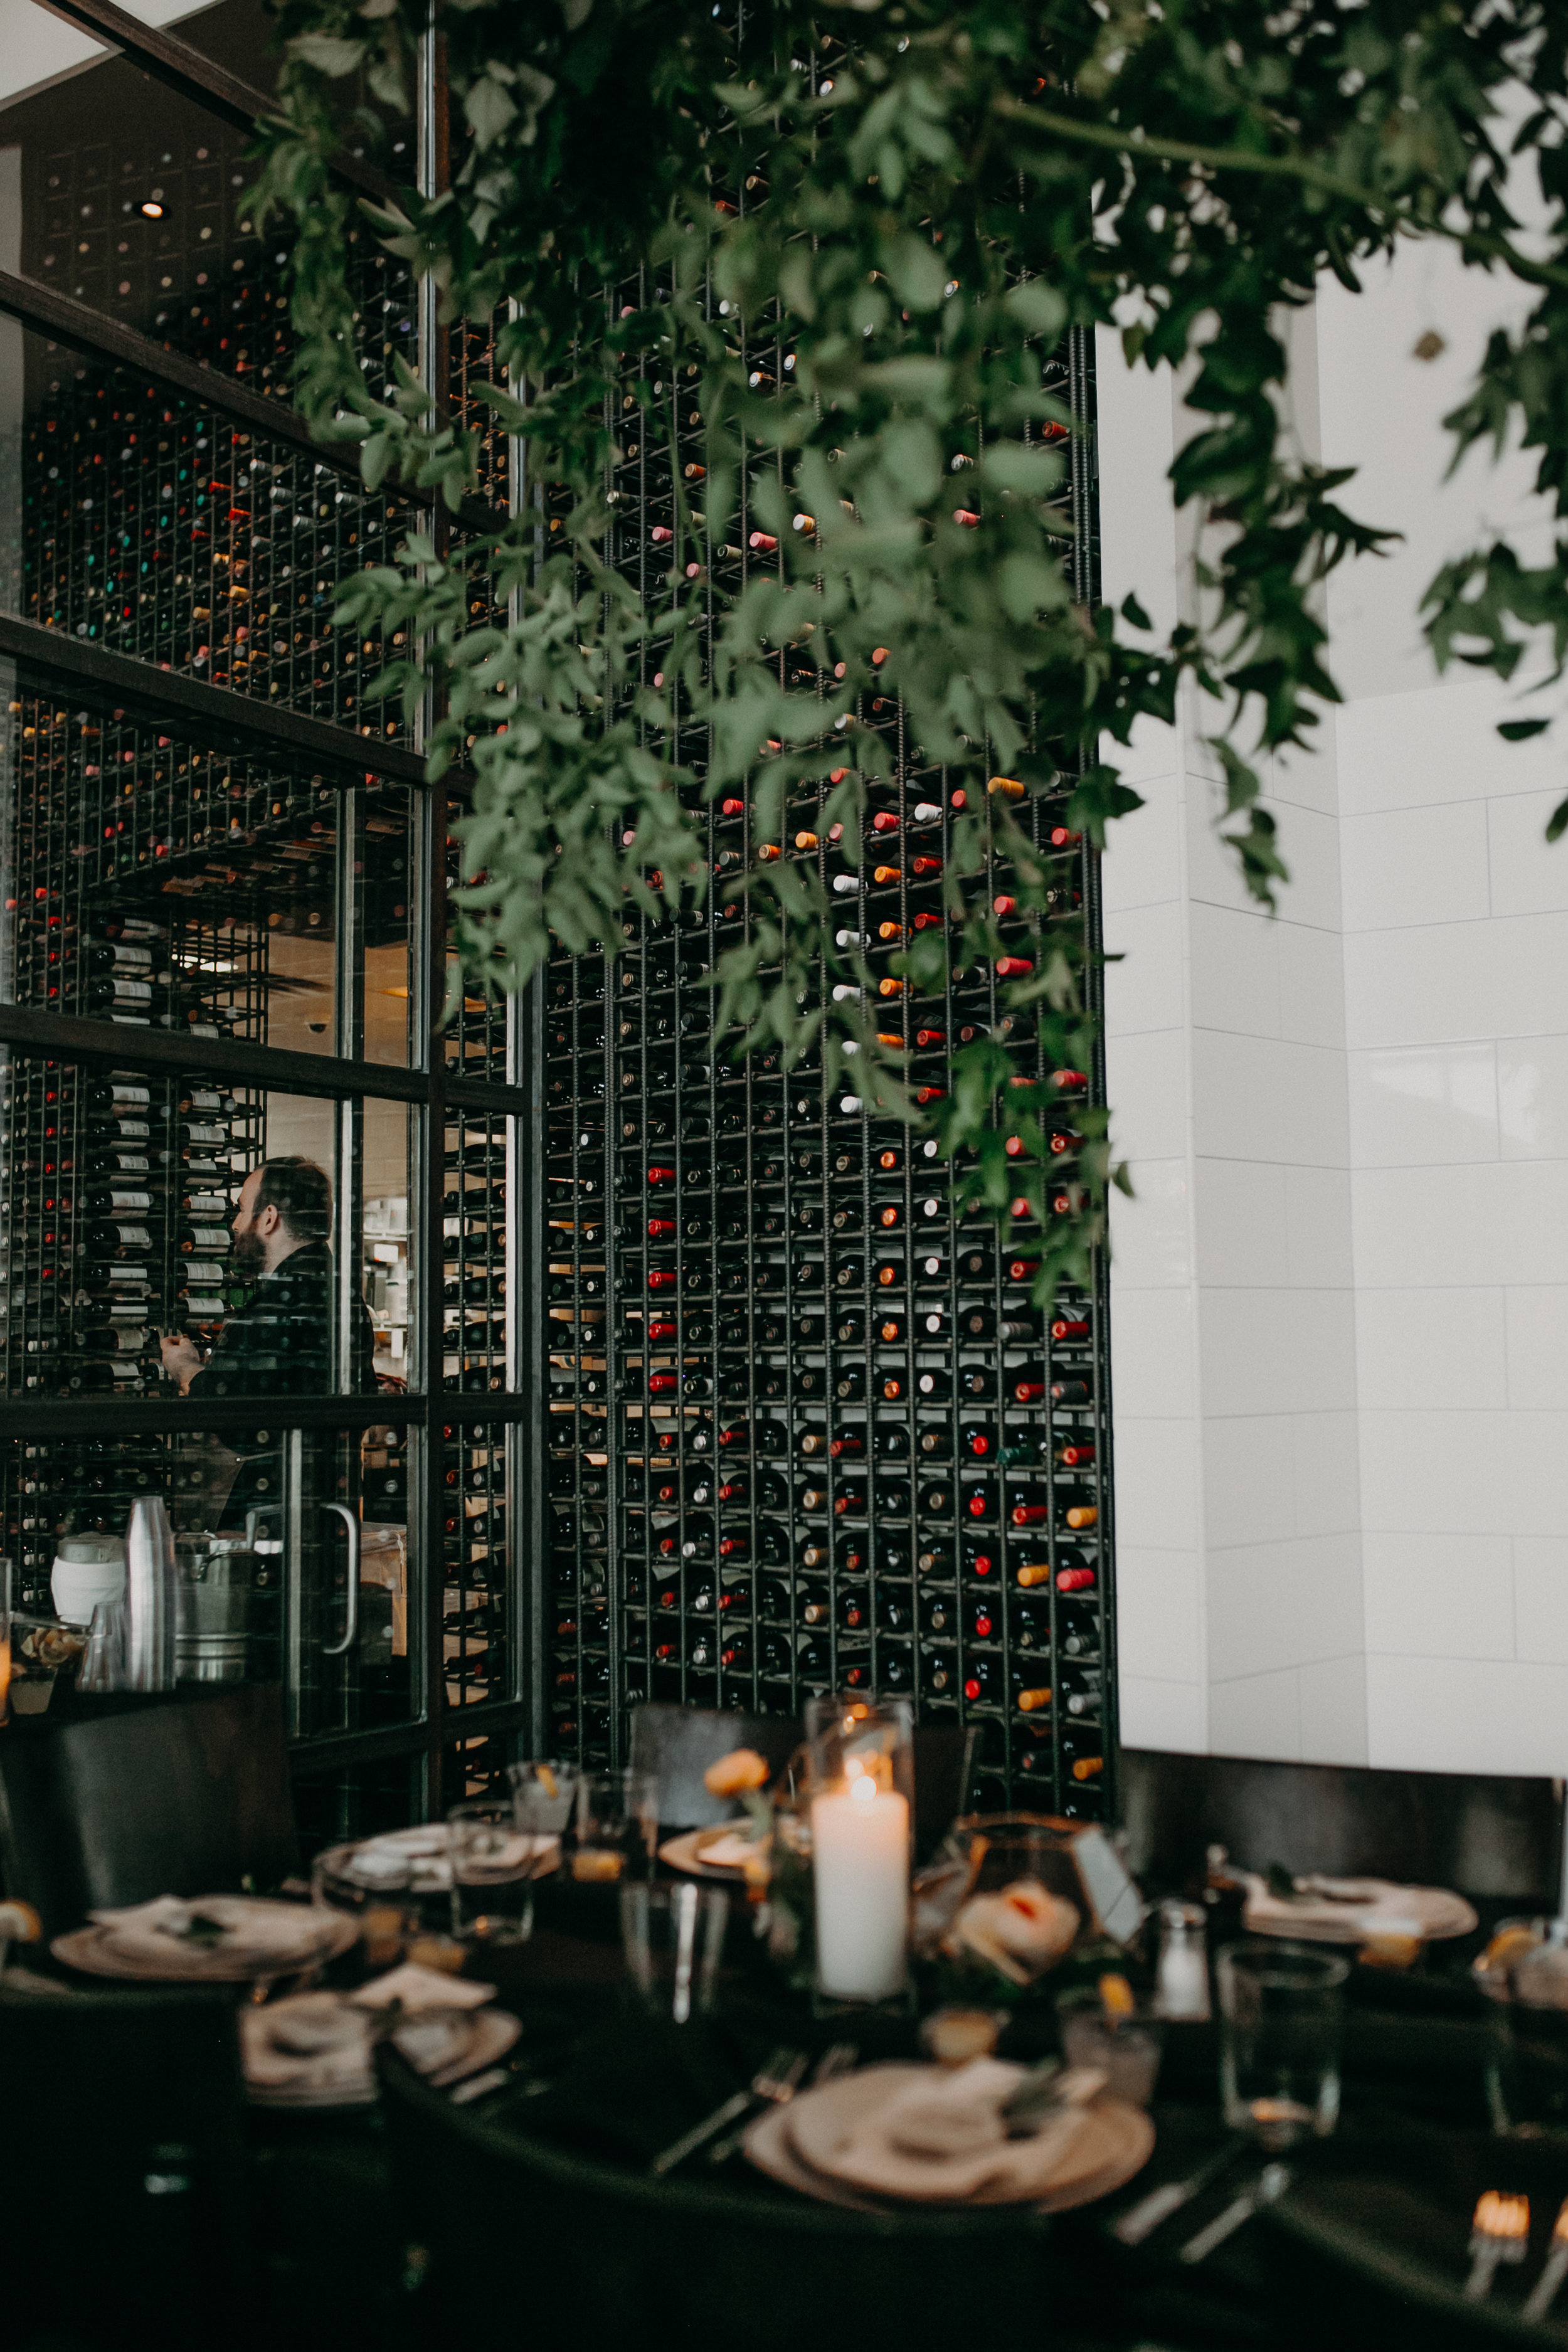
x,y
1342,1299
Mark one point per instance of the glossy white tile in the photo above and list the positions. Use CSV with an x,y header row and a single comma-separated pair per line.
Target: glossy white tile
x,y
1440,1347
1259,1714
1248,1481
1505,978
1475,1226
1276,1350
1274,1605
1312,982
1532,1097
1157,1485
1318,1236
1332,1701
1151,1338
1467,1715
1166,1715
1440,1595
1308,841
1150,1234
1242,1236
1142,861
1235,968
1415,866
1465,1473
1260,1098
1423,1105
1326,1459
1147,1082
1147,990
1528,876
1536,1321
1540,1598
1160,1612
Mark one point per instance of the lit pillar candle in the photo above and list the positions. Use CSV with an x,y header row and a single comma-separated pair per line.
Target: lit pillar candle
x,y
861,1867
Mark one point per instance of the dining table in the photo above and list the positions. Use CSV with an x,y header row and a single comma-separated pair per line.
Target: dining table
x,y
597,2088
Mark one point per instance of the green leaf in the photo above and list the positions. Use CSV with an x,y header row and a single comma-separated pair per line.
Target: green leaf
x,y
329,53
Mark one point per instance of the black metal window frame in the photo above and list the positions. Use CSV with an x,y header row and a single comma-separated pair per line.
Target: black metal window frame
x,y
335,756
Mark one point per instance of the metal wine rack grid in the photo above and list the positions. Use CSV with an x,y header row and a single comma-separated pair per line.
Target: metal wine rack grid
x,y
806,1429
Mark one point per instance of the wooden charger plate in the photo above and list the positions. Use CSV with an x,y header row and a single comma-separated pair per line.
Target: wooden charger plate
x,y
684,1852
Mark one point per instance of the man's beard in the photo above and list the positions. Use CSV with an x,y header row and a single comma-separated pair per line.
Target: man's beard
x,y
248,1259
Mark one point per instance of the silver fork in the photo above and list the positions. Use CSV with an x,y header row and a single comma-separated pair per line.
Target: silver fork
x,y
1500,2233
835,2061
783,2064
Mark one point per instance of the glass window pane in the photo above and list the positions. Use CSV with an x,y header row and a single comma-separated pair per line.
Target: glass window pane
x,y
151,525
143,1256
159,883
126,197
262,1552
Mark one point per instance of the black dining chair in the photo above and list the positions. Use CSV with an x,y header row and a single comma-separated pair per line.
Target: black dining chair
x,y
123,2168
185,1796
678,1744
602,2254
1491,1836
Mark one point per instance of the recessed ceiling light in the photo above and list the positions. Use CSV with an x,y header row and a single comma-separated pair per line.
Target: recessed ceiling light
x,y
153,211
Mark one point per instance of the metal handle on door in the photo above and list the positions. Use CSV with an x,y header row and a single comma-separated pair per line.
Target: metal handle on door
x,y
350,1630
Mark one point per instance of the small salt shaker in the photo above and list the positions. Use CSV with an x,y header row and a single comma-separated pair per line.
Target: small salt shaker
x,y
1182,1978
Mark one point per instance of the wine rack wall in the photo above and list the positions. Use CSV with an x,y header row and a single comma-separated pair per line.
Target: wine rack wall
x,y
212,885
805,1429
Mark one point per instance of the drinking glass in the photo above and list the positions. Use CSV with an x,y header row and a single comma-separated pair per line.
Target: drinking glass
x,y
1281,2023
617,1827
672,1937
1124,2044
492,1874
543,1792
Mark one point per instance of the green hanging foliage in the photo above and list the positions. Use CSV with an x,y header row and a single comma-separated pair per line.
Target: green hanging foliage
x,y
919,203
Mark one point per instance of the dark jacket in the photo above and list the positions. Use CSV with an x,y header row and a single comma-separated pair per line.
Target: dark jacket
x,y
279,1343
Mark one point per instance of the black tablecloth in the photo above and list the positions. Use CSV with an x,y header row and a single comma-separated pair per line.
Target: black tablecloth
x,y
593,2078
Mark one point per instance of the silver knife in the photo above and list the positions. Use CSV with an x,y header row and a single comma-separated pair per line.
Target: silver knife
x,y
1272,2182
1141,2221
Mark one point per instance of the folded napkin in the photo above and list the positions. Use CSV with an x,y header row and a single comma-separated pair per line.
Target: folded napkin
x,y
238,1928
1352,1910
311,2050
442,2049
415,1988
943,2138
420,1858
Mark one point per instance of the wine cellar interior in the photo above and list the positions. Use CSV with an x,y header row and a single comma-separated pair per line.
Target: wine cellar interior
x,y
689,1383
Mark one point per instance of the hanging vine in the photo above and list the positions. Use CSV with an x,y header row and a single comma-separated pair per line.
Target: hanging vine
x,y
919,203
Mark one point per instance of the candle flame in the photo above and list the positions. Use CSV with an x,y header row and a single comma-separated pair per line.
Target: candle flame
x,y
865,1789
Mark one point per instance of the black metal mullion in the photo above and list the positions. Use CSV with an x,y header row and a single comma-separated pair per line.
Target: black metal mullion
x,y
203,711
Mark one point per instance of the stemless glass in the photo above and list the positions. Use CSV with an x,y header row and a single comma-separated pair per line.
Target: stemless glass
x,y
1126,2046
492,1874
1281,2023
672,1937
617,1826
543,1792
